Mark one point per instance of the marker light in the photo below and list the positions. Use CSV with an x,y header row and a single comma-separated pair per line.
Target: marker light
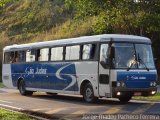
x,y
123,84
154,84
118,93
151,84
118,84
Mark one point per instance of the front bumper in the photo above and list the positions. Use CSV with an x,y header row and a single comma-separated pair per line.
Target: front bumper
x,y
131,91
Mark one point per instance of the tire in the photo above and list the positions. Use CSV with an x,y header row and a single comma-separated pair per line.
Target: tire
x,y
125,99
53,94
88,94
22,89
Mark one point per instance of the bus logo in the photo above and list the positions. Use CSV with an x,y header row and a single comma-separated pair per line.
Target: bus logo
x,y
136,78
30,71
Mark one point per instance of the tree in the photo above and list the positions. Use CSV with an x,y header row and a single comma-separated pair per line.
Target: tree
x,y
138,17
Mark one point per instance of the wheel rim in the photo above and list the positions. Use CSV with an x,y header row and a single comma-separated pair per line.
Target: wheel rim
x,y
89,94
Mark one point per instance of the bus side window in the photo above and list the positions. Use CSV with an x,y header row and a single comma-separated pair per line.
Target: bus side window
x,y
30,55
104,55
88,51
12,57
67,55
44,54
56,53
16,57
72,52
21,56
8,57
92,51
38,55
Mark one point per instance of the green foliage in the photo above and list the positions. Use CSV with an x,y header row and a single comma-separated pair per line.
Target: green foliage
x,y
26,16
102,24
1,84
153,98
8,115
126,16
138,17
35,20
4,2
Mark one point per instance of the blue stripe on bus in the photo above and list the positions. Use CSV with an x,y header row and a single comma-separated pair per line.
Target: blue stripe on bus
x,y
137,79
46,76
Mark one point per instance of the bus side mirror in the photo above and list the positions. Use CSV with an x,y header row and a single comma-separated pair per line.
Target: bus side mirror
x,y
105,63
155,59
112,52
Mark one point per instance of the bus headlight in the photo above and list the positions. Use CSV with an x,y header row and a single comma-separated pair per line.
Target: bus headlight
x,y
118,93
153,92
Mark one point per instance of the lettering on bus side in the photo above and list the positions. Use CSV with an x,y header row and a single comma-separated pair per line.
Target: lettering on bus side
x,y
30,70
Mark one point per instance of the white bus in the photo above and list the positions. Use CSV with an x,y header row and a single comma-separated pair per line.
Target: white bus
x,y
109,65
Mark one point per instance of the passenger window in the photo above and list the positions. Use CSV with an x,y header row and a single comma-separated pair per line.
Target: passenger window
x,y
30,55
67,56
16,57
9,57
43,54
72,52
21,56
88,51
57,53
13,57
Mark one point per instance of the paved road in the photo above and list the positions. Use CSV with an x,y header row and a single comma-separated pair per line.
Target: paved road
x,y
62,106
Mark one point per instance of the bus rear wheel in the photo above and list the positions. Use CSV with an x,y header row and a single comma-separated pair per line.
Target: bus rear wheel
x,y
88,93
22,89
49,93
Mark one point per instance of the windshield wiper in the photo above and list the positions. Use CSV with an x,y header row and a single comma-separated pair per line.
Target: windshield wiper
x,y
141,61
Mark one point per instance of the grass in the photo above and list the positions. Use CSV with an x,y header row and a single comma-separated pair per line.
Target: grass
x,y
155,97
1,85
9,115
68,29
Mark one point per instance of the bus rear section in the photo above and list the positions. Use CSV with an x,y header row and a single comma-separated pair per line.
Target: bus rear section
x,y
6,69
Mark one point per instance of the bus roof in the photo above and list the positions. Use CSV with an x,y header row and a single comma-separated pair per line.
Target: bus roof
x,y
84,39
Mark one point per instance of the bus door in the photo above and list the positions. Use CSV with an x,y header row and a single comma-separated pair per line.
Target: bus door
x,y
104,72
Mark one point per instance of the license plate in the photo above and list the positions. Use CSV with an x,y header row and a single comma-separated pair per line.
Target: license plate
x,y
137,94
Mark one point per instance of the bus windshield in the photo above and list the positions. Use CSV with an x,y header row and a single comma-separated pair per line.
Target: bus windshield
x,y
134,56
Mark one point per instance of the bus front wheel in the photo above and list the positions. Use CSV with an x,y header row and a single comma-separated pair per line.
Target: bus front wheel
x,y
22,89
88,93
125,99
